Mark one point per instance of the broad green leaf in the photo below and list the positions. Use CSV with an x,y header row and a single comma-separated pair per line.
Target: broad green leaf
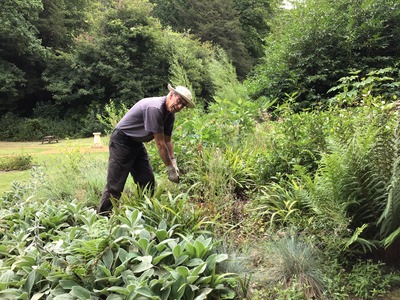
x,y
177,251
119,270
80,292
119,290
183,271
65,297
191,279
221,257
178,288
211,262
181,260
114,297
122,254
145,234
37,296
162,225
13,294
203,294
157,259
105,270
191,250
199,269
144,265
7,276
145,292
108,258
194,262
193,287
42,271
161,235
200,249
205,280
172,244
143,244
67,284
201,297
161,246
220,279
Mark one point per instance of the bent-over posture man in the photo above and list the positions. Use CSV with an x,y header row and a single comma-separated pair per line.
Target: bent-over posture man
x,y
150,118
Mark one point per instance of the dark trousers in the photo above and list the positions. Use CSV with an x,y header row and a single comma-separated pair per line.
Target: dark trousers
x,y
126,156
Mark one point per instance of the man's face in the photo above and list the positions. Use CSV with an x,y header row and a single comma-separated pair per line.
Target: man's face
x,y
177,103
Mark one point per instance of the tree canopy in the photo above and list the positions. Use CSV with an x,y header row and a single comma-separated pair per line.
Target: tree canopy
x,y
73,57
21,53
238,26
318,42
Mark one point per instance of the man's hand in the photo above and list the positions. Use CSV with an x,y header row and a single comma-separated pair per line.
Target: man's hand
x,y
173,174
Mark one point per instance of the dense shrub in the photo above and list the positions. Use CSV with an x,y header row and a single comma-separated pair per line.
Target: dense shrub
x,y
15,128
317,43
15,162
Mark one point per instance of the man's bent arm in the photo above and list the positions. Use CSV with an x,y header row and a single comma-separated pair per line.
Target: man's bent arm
x,y
170,147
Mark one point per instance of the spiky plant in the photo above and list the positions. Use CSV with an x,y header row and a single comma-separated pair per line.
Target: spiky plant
x,y
293,262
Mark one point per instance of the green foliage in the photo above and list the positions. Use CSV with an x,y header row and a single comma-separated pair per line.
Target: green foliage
x,y
76,176
69,251
211,20
216,172
224,79
21,54
254,18
61,21
297,139
15,162
15,128
180,214
109,63
126,57
315,44
112,115
368,280
295,264
376,88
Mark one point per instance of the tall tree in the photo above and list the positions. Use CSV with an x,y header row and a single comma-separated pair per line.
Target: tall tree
x,y
254,17
125,57
63,20
21,55
217,21
320,41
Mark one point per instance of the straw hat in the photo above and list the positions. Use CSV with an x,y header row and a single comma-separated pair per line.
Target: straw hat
x,y
184,93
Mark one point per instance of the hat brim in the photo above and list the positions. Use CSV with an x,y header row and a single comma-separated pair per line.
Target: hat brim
x,y
189,102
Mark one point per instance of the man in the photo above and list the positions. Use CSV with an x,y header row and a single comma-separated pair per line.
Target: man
x,y
148,119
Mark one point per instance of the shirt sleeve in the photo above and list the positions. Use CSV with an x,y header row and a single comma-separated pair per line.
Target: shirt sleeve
x,y
152,119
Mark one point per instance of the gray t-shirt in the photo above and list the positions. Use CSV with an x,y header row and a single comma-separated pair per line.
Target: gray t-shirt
x,y
148,116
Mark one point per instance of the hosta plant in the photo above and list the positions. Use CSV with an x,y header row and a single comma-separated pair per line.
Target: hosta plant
x,y
69,252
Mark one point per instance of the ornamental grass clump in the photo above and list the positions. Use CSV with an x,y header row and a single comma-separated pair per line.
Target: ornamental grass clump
x,y
294,264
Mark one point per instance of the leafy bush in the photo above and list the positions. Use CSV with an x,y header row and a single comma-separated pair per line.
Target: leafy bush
x,y
69,251
15,162
368,280
15,128
320,42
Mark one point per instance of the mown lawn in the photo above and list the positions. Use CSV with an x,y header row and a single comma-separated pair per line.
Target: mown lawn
x,y
46,155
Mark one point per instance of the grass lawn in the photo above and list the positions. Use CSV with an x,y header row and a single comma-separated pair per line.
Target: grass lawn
x,y
47,155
